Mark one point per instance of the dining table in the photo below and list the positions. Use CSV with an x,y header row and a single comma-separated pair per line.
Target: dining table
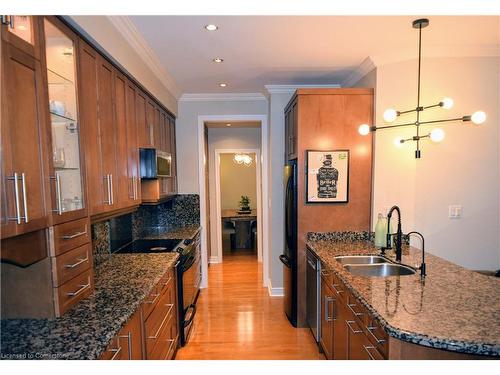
x,y
242,226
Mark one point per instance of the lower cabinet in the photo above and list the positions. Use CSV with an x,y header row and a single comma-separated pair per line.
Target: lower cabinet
x,y
152,332
348,331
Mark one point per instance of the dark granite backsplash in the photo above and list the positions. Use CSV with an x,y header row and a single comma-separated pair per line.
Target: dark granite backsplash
x,y
108,236
347,236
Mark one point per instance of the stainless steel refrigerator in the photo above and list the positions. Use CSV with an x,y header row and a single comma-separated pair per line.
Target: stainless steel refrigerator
x,y
289,256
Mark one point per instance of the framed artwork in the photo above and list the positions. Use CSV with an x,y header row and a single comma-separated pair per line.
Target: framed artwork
x,y
327,178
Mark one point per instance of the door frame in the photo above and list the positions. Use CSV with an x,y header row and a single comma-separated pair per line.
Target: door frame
x,y
218,213
264,146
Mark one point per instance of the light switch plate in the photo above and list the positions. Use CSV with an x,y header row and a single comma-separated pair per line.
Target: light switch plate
x,y
455,211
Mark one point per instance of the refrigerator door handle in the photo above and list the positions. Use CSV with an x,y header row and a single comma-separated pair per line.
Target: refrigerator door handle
x,y
284,259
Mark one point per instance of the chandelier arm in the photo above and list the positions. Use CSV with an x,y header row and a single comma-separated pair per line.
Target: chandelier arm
x,y
373,128
463,118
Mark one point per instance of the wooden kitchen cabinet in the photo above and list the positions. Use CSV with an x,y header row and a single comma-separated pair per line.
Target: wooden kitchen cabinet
x,y
25,201
128,344
143,126
291,130
327,319
22,32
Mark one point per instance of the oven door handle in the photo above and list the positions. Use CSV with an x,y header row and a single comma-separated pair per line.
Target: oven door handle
x,y
186,323
188,263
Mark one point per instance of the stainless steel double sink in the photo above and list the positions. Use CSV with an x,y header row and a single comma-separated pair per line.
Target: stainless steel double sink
x,y
373,266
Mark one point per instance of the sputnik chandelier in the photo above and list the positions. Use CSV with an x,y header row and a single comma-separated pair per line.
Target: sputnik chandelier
x,y
437,134
244,159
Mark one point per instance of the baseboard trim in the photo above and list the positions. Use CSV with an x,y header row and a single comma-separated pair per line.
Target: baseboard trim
x,y
275,292
213,259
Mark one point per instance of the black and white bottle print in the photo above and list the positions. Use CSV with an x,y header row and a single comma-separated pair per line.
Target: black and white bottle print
x,y
327,177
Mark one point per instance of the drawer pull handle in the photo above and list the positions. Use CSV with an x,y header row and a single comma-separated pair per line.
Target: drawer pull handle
x,y
328,318
377,340
74,235
80,261
117,351
349,322
154,299
167,282
367,349
350,306
82,288
170,305
170,347
338,291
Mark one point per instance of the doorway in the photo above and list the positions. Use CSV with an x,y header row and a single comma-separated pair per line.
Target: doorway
x,y
238,192
263,161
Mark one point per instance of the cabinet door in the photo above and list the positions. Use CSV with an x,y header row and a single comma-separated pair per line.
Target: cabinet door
x,y
359,347
123,180
22,32
173,151
143,128
150,118
66,166
90,127
287,134
107,134
340,329
157,131
25,207
132,143
326,339
292,132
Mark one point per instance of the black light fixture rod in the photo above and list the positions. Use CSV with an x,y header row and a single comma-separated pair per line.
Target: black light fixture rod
x,y
432,106
393,126
464,118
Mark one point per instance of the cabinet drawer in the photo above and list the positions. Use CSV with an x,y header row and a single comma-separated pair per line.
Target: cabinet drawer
x,y
70,264
73,291
166,343
114,351
150,302
339,287
356,309
158,324
377,336
166,282
69,235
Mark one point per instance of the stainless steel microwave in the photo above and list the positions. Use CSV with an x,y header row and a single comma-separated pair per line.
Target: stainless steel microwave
x,y
155,163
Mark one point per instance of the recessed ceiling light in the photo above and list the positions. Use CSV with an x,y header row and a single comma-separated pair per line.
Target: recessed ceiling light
x,y
228,124
223,84
218,60
211,27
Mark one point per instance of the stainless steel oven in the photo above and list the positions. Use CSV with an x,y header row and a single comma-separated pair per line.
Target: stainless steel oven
x,y
189,286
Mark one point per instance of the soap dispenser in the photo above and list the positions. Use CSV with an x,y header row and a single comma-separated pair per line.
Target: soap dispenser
x,y
381,231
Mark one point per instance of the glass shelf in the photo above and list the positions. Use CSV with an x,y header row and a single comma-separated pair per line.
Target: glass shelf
x,y
59,118
57,79
66,168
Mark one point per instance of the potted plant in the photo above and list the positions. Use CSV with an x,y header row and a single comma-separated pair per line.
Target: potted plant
x,y
245,204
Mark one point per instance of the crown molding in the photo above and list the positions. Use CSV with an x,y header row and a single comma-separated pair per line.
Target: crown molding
x,y
223,97
133,37
363,69
290,89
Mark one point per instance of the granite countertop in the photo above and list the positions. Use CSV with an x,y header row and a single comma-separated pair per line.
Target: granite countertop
x,y
453,309
121,284
185,232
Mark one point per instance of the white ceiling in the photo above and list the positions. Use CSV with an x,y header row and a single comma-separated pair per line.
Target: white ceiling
x,y
292,50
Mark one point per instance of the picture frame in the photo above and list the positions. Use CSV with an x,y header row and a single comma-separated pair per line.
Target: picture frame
x,y
327,176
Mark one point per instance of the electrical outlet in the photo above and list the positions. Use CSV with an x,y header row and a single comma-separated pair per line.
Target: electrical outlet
x,y
455,211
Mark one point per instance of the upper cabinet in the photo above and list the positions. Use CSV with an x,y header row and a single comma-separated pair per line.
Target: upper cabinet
x,y
25,206
66,163
291,130
22,32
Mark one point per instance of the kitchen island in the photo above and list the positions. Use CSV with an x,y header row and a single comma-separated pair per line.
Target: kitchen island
x,y
453,310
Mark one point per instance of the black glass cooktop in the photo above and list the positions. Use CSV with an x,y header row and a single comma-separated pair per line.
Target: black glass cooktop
x,y
151,246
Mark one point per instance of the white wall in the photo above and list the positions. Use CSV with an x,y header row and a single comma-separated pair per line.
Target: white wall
x,y
277,103
112,41
230,138
187,134
464,169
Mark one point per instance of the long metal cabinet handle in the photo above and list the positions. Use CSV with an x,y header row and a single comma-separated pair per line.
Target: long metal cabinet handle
x,y
170,305
82,288
129,343
58,209
17,218
311,263
337,290
328,318
367,349
74,235
111,183
170,347
25,199
116,351
377,340
350,306
349,322
80,261
108,186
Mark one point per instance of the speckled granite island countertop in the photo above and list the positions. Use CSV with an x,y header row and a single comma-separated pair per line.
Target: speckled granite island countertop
x,y
121,284
454,309
185,232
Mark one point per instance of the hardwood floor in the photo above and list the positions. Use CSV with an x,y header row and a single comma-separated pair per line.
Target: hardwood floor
x,y
237,319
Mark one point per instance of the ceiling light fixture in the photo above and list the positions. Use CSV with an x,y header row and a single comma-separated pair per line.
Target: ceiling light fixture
x,y
211,27
223,84
228,124
244,159
436,135
218,60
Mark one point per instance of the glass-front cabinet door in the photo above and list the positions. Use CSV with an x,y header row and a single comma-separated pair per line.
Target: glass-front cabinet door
x,y
22,32
67,170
